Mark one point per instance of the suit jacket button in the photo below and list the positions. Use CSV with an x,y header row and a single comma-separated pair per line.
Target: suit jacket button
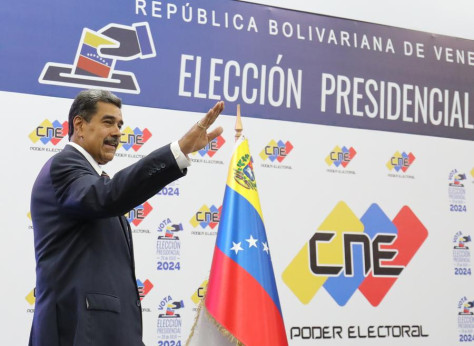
x,y
138,303
163,165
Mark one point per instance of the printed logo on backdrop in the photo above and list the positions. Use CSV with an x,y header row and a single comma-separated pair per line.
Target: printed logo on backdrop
x,y
168,245
170,190
96,56
339,158
205,220
462,254
347,254
206,154
31,299
143,289
48,134
199,294
169,320
132,141
30,225
137,215
274,153
472,175
466,319
457,191
399,163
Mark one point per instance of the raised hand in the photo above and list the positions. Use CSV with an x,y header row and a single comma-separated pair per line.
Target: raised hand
x,y
198,137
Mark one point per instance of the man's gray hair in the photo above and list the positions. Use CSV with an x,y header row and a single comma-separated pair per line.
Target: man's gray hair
x,y
85,105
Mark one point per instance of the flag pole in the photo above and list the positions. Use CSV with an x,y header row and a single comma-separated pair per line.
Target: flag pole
x,y
238,124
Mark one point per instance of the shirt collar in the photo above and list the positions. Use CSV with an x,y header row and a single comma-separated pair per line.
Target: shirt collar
x,y
88,157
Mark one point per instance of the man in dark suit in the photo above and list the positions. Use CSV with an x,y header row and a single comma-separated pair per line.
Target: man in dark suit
x,y
86,291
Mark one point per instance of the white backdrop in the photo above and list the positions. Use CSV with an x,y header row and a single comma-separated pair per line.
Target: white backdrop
x,y
295,201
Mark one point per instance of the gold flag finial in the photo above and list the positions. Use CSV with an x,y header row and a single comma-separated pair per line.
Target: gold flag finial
x,y
238,124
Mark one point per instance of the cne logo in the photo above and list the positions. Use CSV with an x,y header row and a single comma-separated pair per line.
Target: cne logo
x,y
472,172
400,161
347,254
212,147
144,288
200,293
276,150
206,216
340,156
49,132
31,297
133,139
138,214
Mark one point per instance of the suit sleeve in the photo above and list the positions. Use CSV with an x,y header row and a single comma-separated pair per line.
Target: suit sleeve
x,y
81,193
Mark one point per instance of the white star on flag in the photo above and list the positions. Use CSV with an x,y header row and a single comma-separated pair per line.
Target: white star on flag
x,y
236,247
265,248
252,241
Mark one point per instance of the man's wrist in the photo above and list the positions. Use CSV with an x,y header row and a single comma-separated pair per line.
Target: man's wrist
x,y
181,159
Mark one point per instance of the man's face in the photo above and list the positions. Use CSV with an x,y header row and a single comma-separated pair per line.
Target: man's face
x,y
101,136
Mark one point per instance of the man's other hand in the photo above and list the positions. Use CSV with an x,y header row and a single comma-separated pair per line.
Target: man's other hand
x,y
198,137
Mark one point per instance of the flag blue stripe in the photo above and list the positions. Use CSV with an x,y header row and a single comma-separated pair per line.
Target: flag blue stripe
x,y
239,220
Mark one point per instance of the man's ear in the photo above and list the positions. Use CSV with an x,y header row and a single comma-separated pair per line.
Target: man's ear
x,y
78,121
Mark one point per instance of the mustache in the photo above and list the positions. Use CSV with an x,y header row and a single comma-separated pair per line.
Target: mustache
x,y
112,141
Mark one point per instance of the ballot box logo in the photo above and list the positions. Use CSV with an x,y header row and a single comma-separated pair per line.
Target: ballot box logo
x,y
461,241
49,132
144,287
169,230
139,213
168,245
340,157
206,217
347,254
169,320
466,306
97,55
456,178
133,139
211,148
276,151
457,191
199,293
400,162
466,319
462,254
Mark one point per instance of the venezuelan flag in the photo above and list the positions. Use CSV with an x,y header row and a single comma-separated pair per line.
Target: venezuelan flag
x,y
89,61
242,295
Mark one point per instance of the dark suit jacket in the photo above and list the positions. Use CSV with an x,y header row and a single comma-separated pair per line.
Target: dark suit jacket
x,y
86,291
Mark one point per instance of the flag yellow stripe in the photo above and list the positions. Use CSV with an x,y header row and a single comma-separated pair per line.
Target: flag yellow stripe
x,y
251,195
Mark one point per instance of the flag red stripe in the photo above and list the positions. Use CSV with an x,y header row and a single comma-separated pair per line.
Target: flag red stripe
x,y
93,67
240,304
